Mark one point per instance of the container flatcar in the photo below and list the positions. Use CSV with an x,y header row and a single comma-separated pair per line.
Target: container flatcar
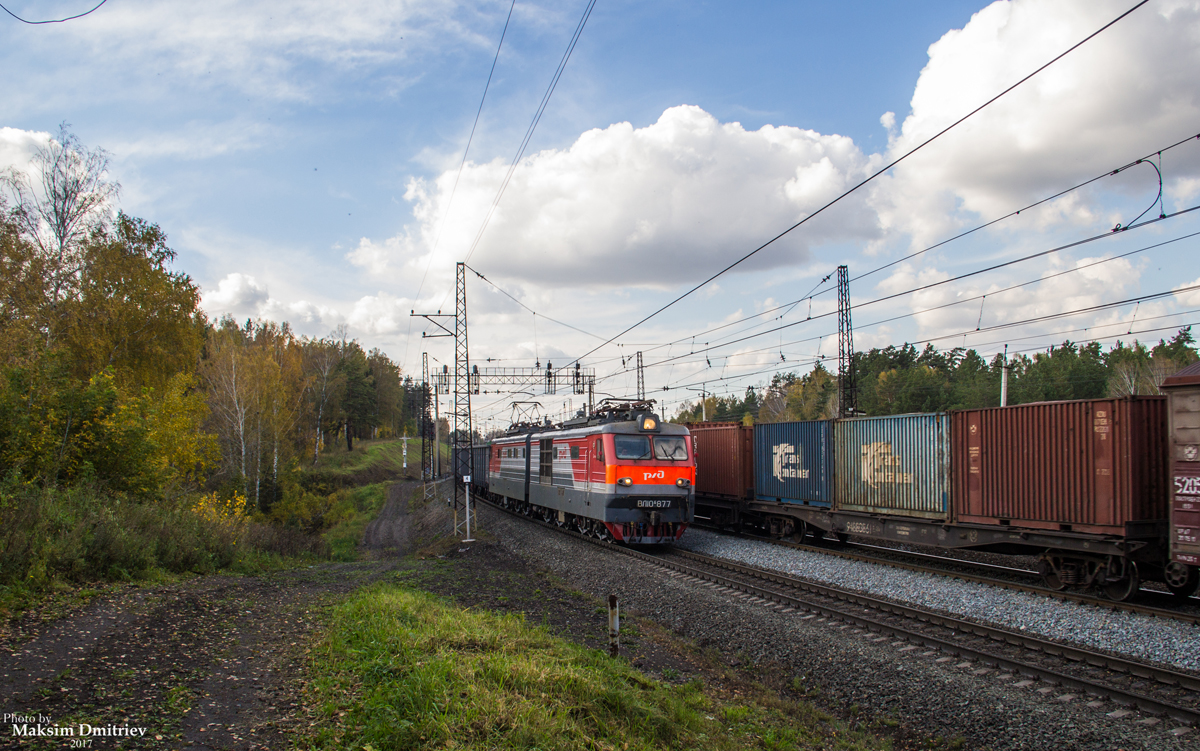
x,y
1081,485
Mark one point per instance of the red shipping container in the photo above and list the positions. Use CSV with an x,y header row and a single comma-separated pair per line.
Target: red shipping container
x,y
1089,466
1183,393
724,459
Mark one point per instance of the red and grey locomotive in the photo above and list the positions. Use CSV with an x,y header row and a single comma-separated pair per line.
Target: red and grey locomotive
x,y
620,474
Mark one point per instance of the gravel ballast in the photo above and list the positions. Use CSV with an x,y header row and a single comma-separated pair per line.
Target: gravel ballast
x,y
1168,642
854,672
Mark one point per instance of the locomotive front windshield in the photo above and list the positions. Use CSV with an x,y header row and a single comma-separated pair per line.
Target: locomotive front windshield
x,y
670,448
666,448
632,446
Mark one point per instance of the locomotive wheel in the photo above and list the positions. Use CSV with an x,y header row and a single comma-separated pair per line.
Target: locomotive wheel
x,y
1124,589
1050,577
1181,579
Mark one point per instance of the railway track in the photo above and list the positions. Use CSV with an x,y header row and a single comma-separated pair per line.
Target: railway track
x,y
1073,671
984,573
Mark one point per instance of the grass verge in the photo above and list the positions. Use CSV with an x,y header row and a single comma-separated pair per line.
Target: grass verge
x,y
356,507
401,669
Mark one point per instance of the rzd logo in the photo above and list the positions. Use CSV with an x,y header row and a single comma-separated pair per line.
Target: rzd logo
x,y
659,475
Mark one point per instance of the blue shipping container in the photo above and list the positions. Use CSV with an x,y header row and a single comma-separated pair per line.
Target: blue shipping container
x,y
793,462
898,465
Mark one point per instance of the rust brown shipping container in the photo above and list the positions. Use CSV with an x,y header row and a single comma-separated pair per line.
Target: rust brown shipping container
x,y
1183,408
1091,466
724,459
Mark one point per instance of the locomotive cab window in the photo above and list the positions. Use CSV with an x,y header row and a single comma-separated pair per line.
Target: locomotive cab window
x,y
574,452
599,454
632,446
670,448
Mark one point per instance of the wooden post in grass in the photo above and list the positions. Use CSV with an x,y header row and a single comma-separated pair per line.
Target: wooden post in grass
x,y
614,626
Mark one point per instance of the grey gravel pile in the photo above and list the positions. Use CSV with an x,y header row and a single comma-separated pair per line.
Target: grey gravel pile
x,y
940,699
1172,643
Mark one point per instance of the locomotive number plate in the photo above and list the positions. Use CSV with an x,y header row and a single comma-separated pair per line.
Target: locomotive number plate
x,y
643,503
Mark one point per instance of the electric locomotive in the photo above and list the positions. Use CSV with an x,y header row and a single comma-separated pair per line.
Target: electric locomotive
x,y
620,474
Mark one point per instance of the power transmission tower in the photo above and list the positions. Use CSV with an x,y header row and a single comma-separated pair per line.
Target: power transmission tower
x,y
461,431
641,379
847,383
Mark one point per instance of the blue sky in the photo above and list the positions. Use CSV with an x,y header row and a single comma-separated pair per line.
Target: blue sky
x,y
301,158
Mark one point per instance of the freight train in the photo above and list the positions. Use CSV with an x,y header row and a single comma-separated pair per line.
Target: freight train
x,y
619,474
1104,492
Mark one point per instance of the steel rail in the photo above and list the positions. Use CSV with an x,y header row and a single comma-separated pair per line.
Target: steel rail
x,y
1083,599
1120,696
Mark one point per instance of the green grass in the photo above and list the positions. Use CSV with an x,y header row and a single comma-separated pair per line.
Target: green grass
x,y
401,669
385,453
358,506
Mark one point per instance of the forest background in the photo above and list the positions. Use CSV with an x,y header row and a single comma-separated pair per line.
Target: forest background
x,y
136,435
139,438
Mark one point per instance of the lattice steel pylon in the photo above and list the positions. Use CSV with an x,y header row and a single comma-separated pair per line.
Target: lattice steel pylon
x,y
847,382
641,379
462,400
426,422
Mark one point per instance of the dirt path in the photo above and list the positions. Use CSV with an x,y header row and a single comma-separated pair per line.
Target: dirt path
x,y
217,662
210,663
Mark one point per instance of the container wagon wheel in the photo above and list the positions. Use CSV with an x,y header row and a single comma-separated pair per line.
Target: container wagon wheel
x,y
1050,577
801,531
1181,579
1125,588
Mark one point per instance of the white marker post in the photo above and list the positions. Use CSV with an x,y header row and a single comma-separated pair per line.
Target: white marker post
x,y
467,483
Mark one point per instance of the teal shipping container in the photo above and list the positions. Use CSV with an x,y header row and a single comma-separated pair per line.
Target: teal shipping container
x,y
897,465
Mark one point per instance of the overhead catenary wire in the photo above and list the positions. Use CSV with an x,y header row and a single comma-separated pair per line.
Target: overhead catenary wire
x,y
537,117
466,150
965,275
812,294
871,178
55,20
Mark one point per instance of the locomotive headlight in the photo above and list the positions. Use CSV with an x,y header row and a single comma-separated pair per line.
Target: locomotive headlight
x,y
625,482
683,482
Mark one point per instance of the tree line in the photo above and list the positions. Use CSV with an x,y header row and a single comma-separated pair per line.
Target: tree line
x,y
111,374
902,379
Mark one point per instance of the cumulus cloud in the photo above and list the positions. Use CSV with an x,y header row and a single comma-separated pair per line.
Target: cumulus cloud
x,y
1088,284
236,295
1124,94
1191,297
658,205
17,147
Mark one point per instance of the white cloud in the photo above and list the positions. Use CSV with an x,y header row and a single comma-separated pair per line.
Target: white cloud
x,y
667,203
1122,95
17,147
236,295
258,47
1190,298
